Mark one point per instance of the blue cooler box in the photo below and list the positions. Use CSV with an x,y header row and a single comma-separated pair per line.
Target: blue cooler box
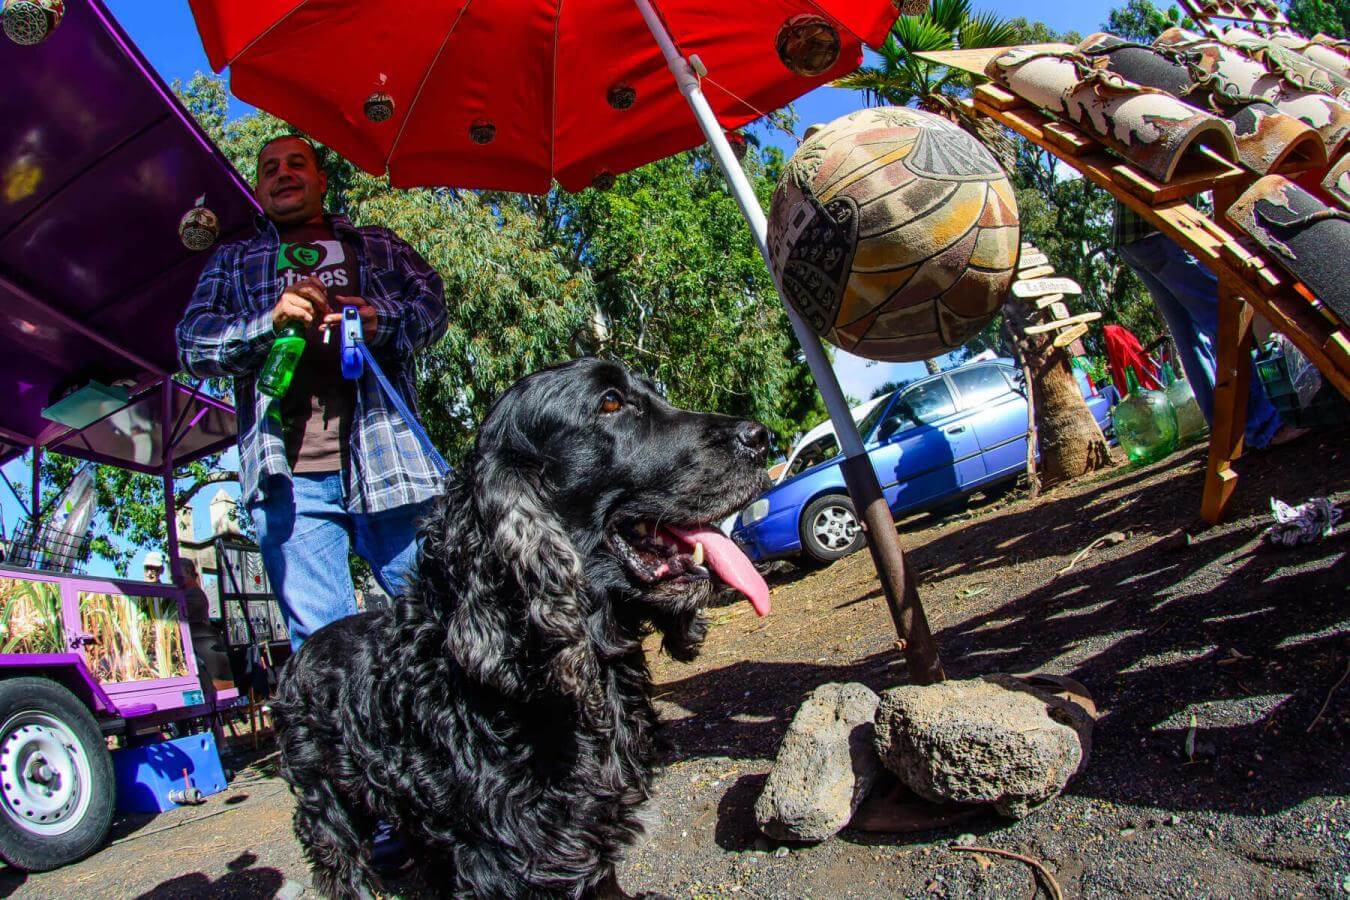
x,y
147,773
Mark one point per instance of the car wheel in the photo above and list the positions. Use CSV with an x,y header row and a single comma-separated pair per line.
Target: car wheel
x,y
56,776
830,529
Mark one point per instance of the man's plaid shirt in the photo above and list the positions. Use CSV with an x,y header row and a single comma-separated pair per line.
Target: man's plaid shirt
x,y
227,331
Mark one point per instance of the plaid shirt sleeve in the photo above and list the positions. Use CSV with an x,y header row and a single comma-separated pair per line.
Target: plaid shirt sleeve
x,y
417,319
216,337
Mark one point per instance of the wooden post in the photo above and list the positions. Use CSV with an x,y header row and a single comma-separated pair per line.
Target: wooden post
x,y
1232,379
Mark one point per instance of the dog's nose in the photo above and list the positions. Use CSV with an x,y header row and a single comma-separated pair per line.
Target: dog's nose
x,y
754,438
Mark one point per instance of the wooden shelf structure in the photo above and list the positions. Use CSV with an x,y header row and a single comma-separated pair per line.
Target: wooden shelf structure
x,y
1248,281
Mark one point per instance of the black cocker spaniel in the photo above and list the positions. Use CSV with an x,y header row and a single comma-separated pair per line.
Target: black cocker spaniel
x,y
498,717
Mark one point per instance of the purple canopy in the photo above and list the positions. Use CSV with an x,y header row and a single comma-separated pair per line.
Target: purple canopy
x,y
98,163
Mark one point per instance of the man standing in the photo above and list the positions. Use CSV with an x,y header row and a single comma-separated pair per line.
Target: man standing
x,y
331,466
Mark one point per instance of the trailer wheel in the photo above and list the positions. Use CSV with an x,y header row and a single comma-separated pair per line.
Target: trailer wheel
x,y
56,776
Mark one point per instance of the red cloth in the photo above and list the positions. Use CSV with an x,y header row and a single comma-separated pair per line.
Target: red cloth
x,y
539,71
1124,350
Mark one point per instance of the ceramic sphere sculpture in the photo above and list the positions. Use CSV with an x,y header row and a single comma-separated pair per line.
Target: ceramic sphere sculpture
x,y
894,234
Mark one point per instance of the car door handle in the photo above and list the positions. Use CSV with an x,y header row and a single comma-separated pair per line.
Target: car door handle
x,y
954,429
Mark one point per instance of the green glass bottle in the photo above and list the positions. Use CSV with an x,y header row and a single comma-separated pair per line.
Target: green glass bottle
x,y
277,372
1191,422
1145,423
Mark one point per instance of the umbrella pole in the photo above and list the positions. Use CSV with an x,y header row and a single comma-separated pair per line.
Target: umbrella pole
x,y
902,595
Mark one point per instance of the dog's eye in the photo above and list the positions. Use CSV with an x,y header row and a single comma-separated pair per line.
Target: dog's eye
x,y
612,402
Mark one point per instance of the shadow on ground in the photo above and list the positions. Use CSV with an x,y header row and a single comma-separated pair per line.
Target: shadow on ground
x,y
1245,639
244,881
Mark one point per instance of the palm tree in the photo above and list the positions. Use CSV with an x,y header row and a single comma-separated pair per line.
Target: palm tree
x,y
900,78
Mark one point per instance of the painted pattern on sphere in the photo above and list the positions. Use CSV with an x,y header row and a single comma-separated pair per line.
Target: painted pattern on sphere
x,y
894,234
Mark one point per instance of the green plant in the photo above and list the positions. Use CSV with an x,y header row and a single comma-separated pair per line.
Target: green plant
x,y
135,638
30,616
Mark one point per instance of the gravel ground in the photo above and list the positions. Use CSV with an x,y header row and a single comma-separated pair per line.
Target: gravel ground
x,y
1173,629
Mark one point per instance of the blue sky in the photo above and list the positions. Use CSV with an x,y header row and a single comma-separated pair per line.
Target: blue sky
x,y
165,32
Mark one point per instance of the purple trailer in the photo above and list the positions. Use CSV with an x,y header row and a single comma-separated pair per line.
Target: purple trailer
x,y
99,163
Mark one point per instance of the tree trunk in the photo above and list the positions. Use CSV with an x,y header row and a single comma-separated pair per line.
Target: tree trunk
x,y
932,366
1070,441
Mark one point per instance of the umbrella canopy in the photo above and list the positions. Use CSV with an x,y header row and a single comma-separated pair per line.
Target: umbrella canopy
x,y
512,94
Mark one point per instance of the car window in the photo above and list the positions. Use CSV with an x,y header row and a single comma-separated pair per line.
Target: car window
x,y
870,420
920,405
817,451
979,385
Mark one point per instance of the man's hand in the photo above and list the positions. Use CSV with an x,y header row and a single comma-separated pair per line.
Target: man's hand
x,y
368,314
303,302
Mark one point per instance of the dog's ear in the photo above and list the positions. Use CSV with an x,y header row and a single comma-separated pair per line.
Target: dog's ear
x,y
543,566
460,579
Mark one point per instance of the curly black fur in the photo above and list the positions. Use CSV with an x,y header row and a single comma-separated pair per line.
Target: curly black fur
x,y
499,716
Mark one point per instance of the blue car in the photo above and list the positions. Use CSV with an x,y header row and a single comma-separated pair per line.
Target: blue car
x,y
931,442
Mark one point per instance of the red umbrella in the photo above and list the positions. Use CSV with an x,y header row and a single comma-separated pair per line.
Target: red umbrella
x,y
511,95
514,94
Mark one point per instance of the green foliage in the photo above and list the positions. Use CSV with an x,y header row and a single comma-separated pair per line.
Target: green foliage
x,y
514,302
1140,20
1310,17
686,294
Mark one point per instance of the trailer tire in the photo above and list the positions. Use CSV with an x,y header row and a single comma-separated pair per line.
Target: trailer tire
x,y
57,791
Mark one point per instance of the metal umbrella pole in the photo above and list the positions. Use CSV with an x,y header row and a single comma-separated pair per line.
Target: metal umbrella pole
x,y
902,596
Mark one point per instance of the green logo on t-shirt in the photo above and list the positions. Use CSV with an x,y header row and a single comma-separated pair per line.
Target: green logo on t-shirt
x,y
325,260
308,255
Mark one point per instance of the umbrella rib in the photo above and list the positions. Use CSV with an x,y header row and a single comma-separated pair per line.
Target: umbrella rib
x,y
266,31
421,85
553,98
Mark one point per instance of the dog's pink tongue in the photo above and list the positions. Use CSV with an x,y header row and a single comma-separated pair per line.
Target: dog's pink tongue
x,y
732,566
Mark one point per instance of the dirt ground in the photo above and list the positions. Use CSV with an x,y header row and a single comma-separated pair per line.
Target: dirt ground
x,y
1176,624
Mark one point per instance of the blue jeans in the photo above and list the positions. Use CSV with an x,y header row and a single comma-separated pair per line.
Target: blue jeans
x,y
1187,295
306,533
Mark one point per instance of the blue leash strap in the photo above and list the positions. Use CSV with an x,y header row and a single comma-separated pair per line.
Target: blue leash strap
x,y
437,460
355,356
